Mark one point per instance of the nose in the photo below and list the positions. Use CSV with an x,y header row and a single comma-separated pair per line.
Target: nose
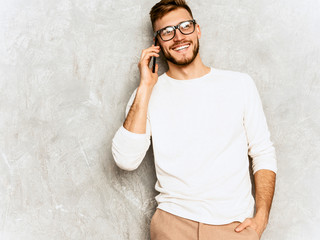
x,y
178,36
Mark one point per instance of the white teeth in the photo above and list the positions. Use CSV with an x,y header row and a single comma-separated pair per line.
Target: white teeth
x,y
182,47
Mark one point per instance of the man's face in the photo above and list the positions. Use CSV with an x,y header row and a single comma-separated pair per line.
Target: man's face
x,y
169,48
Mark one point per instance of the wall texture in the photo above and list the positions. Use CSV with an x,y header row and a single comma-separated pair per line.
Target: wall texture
x,y
68,68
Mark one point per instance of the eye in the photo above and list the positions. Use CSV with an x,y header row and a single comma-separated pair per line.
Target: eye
x,y
185,25
167,31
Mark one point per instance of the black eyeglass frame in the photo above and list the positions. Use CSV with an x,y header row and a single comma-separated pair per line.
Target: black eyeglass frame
x,y
174,29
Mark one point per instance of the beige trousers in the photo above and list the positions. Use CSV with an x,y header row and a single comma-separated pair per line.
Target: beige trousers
x,y
166,226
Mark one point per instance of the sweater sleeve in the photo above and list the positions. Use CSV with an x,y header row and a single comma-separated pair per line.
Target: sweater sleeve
x,y
129,148
260,147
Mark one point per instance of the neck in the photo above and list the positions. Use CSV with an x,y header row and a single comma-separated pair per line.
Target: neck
x,y
195,69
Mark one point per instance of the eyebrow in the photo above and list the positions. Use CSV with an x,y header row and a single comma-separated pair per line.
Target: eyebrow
x,y
172,25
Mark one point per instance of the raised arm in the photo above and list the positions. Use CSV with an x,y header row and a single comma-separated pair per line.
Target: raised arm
x,y
132,140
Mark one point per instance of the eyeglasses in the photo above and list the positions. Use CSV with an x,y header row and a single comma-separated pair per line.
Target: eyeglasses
x,y
168,33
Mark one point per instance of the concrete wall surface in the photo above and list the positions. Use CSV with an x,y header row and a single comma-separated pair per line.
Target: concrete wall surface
x,y
67,70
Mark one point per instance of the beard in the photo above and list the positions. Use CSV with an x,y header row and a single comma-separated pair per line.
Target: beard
x,y
184,61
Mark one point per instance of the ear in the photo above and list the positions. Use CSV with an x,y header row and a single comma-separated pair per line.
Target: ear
x,y
198,31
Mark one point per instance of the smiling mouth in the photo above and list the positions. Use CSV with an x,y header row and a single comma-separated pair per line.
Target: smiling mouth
x,y
181,48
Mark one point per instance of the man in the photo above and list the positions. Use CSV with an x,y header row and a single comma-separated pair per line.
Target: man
x,y
203,122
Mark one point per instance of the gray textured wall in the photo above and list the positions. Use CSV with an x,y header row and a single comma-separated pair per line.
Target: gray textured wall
x,y
67,70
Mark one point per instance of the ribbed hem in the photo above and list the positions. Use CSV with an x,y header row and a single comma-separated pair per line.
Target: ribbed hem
x,y
132,135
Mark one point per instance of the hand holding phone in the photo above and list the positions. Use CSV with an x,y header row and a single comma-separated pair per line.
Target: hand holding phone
x,y
147,77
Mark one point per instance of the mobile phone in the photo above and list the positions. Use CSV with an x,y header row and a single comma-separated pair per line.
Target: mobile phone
x,y
154,58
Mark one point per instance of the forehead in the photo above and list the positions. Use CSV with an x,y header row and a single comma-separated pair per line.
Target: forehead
x,y
172,18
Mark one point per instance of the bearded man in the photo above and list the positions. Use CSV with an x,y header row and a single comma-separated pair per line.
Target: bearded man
x,y
203,123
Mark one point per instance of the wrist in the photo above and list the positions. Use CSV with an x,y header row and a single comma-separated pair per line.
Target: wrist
x,y
262,215
145,86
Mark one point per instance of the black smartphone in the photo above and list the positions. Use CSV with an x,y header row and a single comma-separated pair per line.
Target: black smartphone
x,y
154,58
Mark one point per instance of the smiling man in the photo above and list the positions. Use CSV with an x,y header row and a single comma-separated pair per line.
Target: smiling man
x,y
203,122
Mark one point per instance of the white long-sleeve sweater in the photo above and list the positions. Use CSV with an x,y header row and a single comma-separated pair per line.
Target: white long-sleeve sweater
x,y
202,131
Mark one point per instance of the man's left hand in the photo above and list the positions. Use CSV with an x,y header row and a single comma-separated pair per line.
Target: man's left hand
x,y
259,224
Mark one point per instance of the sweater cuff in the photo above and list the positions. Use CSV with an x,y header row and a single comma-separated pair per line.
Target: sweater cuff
x,y
128,143
271,165
131,135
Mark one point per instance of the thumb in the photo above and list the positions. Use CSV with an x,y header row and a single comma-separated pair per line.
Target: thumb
x,y
156,68
241,226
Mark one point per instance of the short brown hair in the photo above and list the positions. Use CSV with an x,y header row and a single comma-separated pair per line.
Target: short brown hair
x,y
165,6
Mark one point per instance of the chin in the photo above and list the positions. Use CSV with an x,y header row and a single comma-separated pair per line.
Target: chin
x,y
184,60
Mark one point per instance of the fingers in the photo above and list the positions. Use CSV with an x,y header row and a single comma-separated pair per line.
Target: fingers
x,y
243,225
149,52
146,56
150,49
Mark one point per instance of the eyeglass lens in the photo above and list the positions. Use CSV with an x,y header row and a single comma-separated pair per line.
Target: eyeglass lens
x,y
186,27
